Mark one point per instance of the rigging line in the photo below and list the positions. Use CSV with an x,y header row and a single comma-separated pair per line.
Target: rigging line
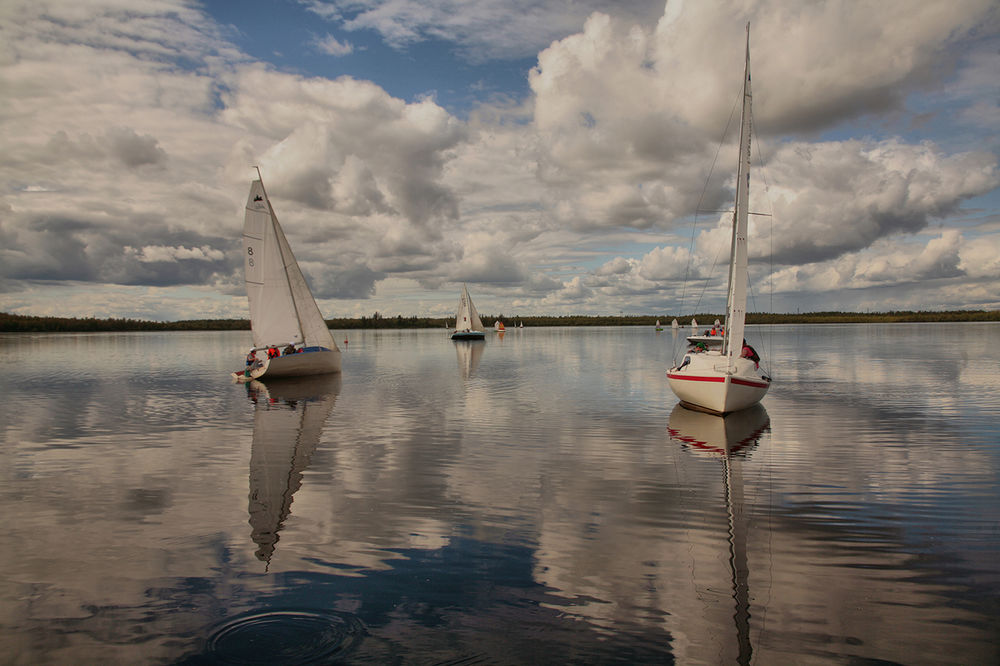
x,y
770,233
694,226
704,189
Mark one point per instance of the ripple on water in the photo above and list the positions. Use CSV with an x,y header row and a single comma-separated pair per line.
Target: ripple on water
x,y
285,637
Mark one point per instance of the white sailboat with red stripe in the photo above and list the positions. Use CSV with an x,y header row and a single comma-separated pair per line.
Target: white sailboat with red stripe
x,y
728,378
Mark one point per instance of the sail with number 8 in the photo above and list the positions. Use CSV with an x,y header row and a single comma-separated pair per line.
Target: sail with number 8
x,y
290,336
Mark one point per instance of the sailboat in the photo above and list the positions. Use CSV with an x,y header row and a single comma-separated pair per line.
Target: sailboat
x,y
290,336
468,326
499,327
721,380
658,326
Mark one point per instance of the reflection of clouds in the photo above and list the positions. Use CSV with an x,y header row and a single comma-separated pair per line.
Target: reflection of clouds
x,y
865,520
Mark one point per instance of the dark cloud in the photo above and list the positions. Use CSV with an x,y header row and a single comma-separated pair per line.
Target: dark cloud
x,y
134,150
351,282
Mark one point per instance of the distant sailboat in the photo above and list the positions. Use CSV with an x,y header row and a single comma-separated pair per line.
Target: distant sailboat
x,y
723,379
499,327
468,325
674,324
658,327
290,336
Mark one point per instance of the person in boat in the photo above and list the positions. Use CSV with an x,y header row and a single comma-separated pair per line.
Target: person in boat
x,y
251,357
272,352
699,347
290,349
750,353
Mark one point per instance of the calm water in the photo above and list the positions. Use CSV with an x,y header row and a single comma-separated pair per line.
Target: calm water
x,y
536,498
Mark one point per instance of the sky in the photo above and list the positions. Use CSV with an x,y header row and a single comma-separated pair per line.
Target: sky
x,y
558,157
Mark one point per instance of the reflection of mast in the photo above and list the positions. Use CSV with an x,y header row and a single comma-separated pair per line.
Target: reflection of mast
x,y
288,421
738,557
730,437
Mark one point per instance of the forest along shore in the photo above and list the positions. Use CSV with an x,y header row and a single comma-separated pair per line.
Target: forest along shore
x,y
14,323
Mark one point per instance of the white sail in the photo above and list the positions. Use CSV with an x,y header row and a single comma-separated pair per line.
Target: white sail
x,y
467,318
282,309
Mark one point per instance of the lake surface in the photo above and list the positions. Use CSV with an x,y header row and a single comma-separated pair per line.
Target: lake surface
x,y
536,498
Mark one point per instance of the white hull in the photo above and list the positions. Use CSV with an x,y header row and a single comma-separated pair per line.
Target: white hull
x,y
294,365
704,384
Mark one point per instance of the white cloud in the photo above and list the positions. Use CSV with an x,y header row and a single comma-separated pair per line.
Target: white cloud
x,y
483,29
136,126
329,45
154,253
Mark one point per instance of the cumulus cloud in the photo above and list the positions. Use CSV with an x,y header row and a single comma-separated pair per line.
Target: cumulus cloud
x,y
841,197
347,144
894,262
483,29
154,253
130,133
330,45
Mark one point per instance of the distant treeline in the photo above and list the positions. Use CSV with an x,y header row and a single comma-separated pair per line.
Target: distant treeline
x,y
12,323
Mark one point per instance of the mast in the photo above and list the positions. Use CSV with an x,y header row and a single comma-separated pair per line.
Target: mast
x,y
737,300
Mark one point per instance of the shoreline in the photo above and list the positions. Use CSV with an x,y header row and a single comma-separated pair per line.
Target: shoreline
x,y
12,323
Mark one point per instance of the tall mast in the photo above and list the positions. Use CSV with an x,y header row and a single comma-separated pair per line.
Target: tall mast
x,y
737,300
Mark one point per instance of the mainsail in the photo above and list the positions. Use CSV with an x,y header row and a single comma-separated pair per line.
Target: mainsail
x,y
467,318
282,309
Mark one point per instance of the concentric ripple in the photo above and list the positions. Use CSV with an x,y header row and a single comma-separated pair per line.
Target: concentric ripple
x,y
285,637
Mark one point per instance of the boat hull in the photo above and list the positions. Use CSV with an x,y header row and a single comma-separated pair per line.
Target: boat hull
x,y
468,335
302,364
704,384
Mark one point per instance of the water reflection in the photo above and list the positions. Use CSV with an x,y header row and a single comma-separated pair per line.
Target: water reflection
x,y
730,438
469,353
288,421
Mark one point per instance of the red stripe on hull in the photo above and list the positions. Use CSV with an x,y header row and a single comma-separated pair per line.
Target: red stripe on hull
x,y
689,378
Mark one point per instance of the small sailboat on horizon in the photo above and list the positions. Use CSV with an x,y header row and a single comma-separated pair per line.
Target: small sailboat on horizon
x,y
727,378
290,336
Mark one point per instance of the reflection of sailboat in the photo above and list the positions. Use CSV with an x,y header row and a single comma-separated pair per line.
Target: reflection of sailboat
x,y
468,358
468,325
721,380
729,437
290,336
288,420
